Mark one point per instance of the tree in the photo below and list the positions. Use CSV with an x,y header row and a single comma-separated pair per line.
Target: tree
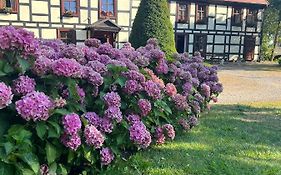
x,y
153,21
271,28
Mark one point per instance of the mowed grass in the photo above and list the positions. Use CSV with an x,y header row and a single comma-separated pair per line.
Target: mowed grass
x,y
230,140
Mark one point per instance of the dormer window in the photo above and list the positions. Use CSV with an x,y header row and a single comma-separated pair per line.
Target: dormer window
x,y
70,8
182,13
237,14
9,6
201,14
252,17
107,9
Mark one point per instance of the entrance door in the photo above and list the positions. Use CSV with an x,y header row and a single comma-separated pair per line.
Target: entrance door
x,y
104,37
180,40
200,44
249,48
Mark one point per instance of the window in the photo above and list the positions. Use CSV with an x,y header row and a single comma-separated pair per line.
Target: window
x,y
182,15
201,14
67,35
107,8
251,18
70,7
237,15
9,6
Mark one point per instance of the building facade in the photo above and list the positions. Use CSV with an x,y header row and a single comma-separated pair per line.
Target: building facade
x,y
230,29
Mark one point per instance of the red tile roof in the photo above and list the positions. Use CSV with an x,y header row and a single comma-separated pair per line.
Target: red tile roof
x,y
262,2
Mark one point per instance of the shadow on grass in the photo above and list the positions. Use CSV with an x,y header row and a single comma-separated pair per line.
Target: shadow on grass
x,y
251,67
231,139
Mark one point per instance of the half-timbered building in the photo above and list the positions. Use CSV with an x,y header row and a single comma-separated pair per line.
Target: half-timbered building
x,y
228,29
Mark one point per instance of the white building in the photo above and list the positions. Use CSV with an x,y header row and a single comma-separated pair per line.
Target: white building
x,y
218,28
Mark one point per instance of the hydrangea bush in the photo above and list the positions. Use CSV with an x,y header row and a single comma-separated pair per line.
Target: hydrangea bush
x,y
67,109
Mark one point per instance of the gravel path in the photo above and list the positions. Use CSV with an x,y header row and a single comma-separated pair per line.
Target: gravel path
x,y
250,82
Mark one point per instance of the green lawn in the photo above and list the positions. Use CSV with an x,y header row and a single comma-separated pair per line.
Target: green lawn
x,y
229,140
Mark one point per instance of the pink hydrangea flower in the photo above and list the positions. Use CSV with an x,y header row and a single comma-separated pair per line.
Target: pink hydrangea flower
x,y
145,106
93,136
23,85
170,89
71,123
34,106
6,95
107,156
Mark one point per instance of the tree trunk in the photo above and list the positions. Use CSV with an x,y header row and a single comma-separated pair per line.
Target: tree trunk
x,y
276,35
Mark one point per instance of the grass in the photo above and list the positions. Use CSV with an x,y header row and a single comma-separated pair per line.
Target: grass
x,y
230,140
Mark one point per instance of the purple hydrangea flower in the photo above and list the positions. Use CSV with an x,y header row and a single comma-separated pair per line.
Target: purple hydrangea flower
x,y
187,88
184,124
206,90
71,123
81,93
104,59
133,118
72,51
97,66
23,85
34,106
180,102
193,121
112,99
92,42
71,141
145,106
162,67
113,113
92,55
95,78
107,156
42,65
67,68
132,86
93,119
135,75
140,135
106,125
6,95
93,136
152,89
159,135
169,130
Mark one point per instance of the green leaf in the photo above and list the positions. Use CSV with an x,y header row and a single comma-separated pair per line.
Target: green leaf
x,y
62,170
23,64
56,126
41,129
6,169
7,68
51,153
8,147
70,156
53,168
121,81
18,133
32,160
61,111
4,123
71,84
26,171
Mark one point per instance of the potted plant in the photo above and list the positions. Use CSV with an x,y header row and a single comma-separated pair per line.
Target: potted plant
x,y
6,10
68,13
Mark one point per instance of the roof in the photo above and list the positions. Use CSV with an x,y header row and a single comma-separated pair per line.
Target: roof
x,y
104,25
261,2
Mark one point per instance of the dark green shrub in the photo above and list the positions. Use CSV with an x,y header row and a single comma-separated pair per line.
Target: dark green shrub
x,y
153,21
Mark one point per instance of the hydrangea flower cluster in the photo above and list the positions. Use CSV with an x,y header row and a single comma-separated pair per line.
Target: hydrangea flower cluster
x,y
6,95
145,106
67,68
112,99
169,130
72,125
107,156
93,136
170,89
34,106
140,135
152,89
23,85
14,39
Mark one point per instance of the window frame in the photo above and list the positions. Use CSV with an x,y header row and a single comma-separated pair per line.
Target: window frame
x,y
254,24
76,14
187,13
233,22
72,41
206,16
15,9
114,11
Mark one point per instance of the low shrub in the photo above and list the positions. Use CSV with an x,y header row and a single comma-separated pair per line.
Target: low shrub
x,y
69,109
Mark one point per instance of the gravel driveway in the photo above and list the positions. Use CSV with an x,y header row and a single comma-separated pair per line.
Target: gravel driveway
x,y
250,82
